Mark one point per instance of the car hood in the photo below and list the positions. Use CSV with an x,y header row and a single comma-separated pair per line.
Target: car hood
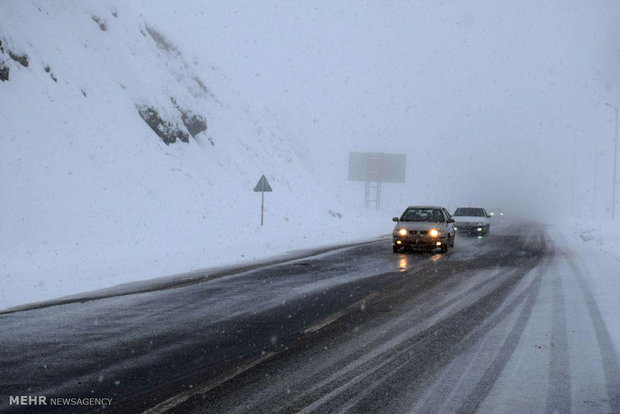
x,y
418,225
469,219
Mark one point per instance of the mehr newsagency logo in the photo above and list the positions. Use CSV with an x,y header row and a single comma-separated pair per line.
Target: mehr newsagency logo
x,y
41,400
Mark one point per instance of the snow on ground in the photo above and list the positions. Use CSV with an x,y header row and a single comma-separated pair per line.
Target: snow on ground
x,y
596,245
572,334
603,235
596,248
92,197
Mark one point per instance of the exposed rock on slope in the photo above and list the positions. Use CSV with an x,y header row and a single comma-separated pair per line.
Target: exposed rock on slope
x,y
4,71
91,197
194,123
22,59
166,130
159,39
102,24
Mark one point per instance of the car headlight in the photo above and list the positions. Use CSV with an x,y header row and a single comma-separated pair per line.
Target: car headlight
x,y
402,232
433,232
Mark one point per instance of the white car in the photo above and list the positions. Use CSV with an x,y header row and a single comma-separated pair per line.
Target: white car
x,y
497,214
472,220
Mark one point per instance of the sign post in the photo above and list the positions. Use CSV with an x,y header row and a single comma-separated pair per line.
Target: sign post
x,y
262,186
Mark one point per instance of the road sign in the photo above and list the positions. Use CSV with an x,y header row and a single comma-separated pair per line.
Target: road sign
x,y
375,168
262,186
386,168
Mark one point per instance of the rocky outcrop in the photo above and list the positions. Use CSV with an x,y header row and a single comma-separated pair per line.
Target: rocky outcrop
x,y
166,130
102,24
21,59
4,72
194,123
47,69
159,39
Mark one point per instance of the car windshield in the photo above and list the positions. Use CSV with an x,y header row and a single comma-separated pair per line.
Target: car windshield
x,y
423,214
469,211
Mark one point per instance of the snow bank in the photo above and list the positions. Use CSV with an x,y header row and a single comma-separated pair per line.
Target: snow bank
x,y
595,246
107,172
602,235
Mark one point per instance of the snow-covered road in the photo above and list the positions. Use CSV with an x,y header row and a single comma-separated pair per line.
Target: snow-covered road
x,y
524,320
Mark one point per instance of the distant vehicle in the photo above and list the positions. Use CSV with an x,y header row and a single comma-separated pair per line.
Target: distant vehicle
x,y
425,227
497,213
472,220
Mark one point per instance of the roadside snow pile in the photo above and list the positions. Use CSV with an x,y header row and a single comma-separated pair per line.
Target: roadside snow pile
x,y
594,251
604,235
122,160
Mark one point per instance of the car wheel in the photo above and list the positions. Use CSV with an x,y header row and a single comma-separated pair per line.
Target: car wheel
x,y
395,249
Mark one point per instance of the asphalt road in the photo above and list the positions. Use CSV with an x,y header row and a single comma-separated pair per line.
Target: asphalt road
x,y
356,330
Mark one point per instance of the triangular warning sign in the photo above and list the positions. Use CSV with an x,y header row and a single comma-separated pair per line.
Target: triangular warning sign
x,y
262,185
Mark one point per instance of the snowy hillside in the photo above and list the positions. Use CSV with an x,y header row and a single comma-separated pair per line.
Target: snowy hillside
x,y
123,160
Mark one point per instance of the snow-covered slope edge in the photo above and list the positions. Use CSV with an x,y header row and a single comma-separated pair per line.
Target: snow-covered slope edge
x,y
93,197
599,234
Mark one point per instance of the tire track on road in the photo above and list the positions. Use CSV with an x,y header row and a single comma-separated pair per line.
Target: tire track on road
x,y
453,384
492,373
351,365
392,360
606,346
436,344
559,398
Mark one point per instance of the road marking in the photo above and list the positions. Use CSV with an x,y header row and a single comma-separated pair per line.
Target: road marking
x,y
334,317
186,395
375,358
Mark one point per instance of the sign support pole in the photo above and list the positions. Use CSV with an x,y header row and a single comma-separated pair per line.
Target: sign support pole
x,y
262,186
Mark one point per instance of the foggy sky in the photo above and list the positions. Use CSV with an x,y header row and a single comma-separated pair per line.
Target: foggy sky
x,y
491,101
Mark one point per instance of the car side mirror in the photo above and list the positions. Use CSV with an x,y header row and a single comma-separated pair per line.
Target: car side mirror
x,y
394,218
450,220
489,216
